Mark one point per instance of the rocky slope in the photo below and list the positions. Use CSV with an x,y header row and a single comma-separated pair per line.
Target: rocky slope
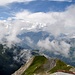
x,y
40,65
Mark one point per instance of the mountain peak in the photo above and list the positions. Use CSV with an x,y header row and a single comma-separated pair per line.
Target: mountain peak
x,y
40,65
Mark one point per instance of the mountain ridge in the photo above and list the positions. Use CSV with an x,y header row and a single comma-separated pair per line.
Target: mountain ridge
x,y
40,65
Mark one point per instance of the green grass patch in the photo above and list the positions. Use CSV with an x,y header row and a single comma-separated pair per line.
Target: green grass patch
x,y
60,65
37,62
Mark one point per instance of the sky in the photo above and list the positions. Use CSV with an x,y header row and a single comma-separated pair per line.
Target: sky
x,y
9,8
53,16
19,15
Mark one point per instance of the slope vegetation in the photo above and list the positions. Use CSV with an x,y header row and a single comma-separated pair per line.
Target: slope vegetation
x,y
40,65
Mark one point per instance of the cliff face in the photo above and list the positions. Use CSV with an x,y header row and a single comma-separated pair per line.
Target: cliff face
x,y
40,65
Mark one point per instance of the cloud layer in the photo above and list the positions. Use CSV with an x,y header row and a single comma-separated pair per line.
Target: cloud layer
x,y
5,2
62,0
52,22
57,47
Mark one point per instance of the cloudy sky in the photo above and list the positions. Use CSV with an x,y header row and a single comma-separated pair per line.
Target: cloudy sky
x,y
54,16
9,8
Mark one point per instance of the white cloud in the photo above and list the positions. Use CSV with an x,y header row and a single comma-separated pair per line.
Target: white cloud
x,y
44,44
22,56
4,2
29,40
53,22
10,29
50,20
9,32
58,47
62,0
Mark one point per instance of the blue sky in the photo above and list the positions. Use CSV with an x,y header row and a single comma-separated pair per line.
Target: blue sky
x,y
33,6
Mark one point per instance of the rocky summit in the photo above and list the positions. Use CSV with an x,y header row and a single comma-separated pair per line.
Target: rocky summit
x,y
41,65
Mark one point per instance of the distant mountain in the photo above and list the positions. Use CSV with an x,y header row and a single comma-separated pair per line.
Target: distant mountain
x,y
30,40
34,37
40,65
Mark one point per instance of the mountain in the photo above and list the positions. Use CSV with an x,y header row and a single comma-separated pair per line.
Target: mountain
x,y
11,58
41,65
31,38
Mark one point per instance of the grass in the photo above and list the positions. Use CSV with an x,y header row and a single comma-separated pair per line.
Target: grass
x,y
37,62
60,65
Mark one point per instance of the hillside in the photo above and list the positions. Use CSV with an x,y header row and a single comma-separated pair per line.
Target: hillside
x,y
8,64
40,65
